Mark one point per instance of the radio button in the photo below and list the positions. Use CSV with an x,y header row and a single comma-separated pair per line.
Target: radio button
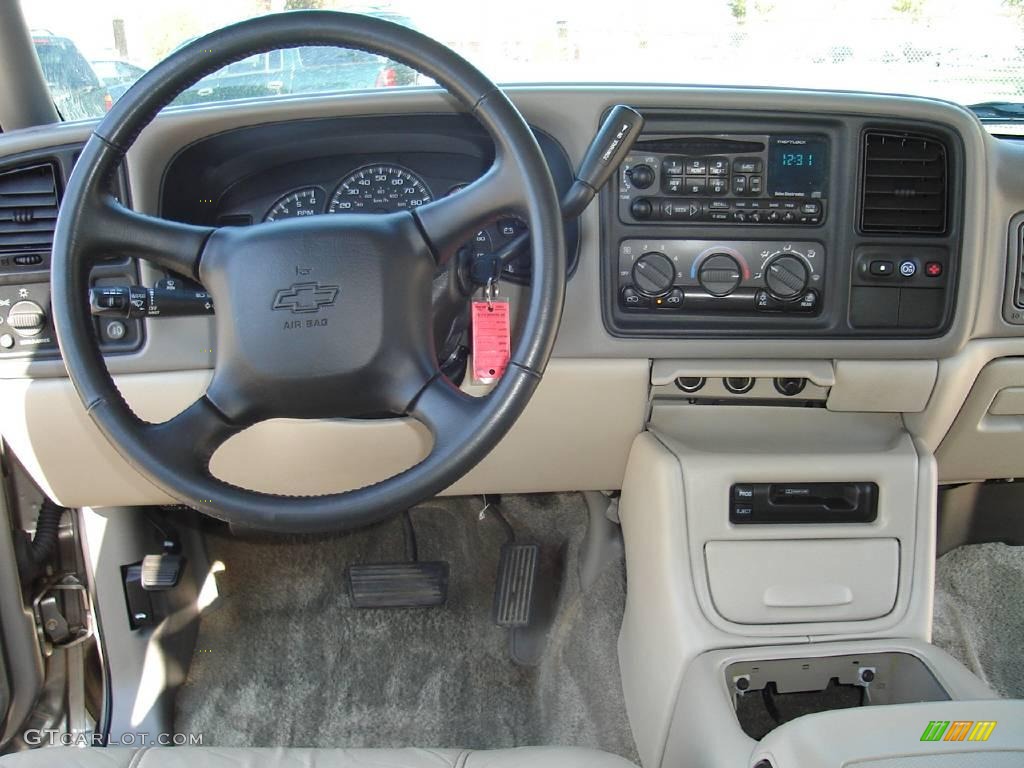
x,y
718,166
672,166
739,185
718,186
682,209
672,185
696,186
696,167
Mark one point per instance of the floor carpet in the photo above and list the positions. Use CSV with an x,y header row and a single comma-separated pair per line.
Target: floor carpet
x,y
979,612
283,660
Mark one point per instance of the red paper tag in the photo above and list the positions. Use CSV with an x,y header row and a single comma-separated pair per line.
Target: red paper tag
x,y
491,341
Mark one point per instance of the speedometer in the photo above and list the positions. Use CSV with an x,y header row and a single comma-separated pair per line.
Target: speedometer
x,y
379,189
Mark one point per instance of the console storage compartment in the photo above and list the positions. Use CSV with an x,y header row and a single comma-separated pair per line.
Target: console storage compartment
x,y
853,579
768,693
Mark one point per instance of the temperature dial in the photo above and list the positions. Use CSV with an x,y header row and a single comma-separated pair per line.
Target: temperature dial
x,y
786,277
720,274
654,273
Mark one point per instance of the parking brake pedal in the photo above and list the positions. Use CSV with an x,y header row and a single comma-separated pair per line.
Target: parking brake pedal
x,y
398,585
517,574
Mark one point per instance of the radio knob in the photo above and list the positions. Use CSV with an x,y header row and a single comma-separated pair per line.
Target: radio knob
x,y
720,274
642,176
654,274
785,277
641,209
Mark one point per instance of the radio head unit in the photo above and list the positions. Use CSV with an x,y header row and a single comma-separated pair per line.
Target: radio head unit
x,y
726,179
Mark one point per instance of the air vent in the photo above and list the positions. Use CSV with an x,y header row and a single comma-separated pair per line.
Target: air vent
x,y
28,209
903,184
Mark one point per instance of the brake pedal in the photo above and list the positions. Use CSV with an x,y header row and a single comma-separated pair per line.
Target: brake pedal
x,y
398,585
514,592
161,572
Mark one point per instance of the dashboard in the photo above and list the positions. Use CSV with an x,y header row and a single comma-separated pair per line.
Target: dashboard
x,y
734,206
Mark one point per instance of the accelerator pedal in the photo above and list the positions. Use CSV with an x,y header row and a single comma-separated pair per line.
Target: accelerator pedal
x,y
514,592
398,585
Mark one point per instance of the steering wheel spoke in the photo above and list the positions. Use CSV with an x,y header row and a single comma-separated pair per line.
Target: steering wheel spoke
x,y
449,222
191,437
169,244
448,412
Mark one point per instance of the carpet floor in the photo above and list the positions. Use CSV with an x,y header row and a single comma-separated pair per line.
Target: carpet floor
x,y
282,659
979,612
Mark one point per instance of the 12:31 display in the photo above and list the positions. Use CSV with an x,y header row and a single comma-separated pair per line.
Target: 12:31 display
x,y
800,159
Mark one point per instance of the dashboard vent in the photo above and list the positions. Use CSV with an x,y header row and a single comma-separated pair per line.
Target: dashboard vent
x,y
903,184
28,209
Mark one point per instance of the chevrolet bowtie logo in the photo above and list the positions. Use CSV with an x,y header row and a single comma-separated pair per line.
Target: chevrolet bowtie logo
x,y
306,297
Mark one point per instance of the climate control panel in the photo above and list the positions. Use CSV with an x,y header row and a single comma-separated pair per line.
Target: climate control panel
x,y
709,277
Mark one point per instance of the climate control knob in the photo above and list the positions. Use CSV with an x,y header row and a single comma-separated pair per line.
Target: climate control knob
x,y
654,273
719,274
786,277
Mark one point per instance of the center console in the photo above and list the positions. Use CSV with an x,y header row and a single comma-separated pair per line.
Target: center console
x,y
762,226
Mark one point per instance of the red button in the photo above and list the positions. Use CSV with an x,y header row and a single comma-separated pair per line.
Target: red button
x,y
933,269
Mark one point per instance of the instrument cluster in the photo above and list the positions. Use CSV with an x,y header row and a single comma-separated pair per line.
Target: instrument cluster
x,y
379,188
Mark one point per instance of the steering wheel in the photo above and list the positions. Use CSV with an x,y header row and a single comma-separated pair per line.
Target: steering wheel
x,y
365,279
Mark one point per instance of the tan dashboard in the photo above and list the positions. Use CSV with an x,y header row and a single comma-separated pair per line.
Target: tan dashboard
x,y
598,390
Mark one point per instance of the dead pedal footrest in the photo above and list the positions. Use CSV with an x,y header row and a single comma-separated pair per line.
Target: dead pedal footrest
x,y
398,585
514,593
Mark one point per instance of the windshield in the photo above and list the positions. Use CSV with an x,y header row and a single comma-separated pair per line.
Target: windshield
x,y
968,52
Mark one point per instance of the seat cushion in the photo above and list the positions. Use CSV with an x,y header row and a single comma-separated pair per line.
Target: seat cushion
x,y
214,757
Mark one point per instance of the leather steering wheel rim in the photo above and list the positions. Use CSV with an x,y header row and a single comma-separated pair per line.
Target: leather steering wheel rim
x,y
299,379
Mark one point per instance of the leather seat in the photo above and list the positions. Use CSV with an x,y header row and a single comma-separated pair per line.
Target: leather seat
x,y
215,757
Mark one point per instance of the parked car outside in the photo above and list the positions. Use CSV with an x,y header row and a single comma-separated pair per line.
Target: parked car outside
x,y
117,75
77,91
307,69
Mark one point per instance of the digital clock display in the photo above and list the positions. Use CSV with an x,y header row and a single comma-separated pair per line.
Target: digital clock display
x,y
797,166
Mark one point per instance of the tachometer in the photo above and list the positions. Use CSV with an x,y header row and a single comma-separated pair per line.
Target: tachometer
x,y
308,201
379,189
